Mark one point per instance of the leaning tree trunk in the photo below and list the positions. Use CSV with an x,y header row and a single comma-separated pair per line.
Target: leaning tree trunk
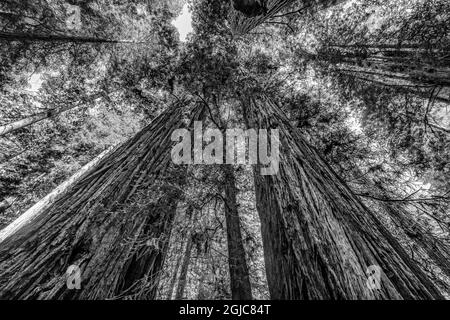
x,y
46,202
434,248
319,239
201,287
37,117
239,277
113,225
28,121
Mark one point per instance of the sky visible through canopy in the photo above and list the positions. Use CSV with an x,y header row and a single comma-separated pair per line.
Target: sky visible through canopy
x,y
183,23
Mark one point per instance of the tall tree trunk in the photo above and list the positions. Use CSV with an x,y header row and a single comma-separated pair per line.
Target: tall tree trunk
x,y
29,121
201,292
401,65
184,268
113,224
416,89
435,249
173,280
239,277
319,239
17,36
384,71
190,216
49,200
51,113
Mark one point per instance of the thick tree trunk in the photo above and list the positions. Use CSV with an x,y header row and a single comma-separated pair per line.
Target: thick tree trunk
x,y
319,239
239,277
113,224
184,268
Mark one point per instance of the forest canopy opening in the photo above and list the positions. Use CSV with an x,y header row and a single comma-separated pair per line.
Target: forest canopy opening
x,y
183,23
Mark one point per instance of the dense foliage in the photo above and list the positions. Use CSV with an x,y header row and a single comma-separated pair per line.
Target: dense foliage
x,y
366,82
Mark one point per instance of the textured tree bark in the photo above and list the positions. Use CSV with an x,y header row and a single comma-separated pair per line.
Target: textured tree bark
x,y
435,249
113,224
184,268
239,277
201,294
173,280
11,127
319,239
190,217
29,121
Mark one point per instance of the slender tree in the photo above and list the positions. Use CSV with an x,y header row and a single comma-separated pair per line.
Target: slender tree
x,y
173,278
48,200
35,118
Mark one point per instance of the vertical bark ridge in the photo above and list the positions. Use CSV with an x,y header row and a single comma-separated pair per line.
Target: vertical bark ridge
x,y
319,239
102,225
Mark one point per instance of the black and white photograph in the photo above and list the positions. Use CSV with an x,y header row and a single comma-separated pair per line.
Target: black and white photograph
x,y
205,151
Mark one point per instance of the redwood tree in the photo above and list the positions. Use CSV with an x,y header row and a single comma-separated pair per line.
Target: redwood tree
x,y
319,239
113,224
